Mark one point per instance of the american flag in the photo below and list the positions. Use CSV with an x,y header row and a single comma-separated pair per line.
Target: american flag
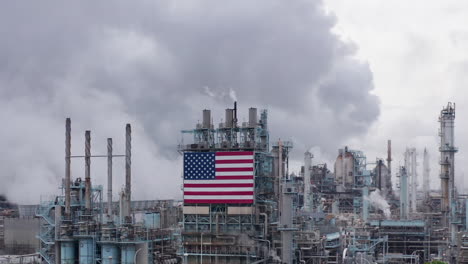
x,y
219,177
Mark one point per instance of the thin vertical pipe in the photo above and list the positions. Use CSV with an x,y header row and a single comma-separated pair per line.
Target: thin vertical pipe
x,y
67,165
128,164
88,169
109,176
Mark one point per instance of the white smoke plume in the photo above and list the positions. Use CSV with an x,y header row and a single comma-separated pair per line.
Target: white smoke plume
x,y
156,65
377,201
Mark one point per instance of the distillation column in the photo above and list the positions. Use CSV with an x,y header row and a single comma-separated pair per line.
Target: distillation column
x,y
286,209
88,171
307,191
426,171
389,162
410,166
447,167
403,193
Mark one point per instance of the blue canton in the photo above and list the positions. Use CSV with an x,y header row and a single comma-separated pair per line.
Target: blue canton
x,y
199,166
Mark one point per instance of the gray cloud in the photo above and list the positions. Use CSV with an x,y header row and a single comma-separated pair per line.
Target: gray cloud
x,y
150,63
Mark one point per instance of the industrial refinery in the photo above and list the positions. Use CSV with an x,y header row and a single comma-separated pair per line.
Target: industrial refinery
x,y
242,203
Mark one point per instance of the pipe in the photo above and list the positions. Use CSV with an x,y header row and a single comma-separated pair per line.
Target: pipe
x,y
260,261
88,170
265,230
380,175
235,115
280,159
233,241
109,176
67,165
136,253
365,203
268,242
201,249
128,172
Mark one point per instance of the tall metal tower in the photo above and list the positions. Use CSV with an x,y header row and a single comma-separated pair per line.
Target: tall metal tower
x,y
447,165
410,165
307,187
426,172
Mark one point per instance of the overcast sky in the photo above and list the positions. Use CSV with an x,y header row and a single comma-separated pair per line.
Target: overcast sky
x,y
417,52
330,73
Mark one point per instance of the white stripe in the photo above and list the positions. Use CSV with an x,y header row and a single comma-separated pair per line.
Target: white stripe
x,y
219,197
204,189
234,173
216,181
238,157
235,165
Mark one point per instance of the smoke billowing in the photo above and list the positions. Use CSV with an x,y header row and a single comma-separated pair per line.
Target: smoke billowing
x,y
379,202
157,64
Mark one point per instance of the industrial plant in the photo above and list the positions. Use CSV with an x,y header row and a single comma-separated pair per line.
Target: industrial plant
x,y
243,203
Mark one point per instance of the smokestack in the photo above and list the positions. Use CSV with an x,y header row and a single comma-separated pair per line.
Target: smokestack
x,y
235,115
380,174
109,176
229,118
128,163
88,170
389,158
426,171
307,191
67,165
252,117
403,193
206,123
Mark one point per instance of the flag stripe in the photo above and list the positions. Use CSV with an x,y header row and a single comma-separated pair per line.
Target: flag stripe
x,y
229,153
213,201
234,157
234,177
225,185
218,193
234,173
224,197
233,169
227,181
233,161
235,165
214,189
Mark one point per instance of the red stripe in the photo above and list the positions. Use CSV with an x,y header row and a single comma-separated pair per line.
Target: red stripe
x,y
246,177
218,201
204,185
234,161
234,153
218,193
233,169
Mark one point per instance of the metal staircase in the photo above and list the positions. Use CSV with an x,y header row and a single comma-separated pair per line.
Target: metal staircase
x,y
46,232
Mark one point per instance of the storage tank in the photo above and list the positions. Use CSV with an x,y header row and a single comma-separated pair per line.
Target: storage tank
x,y
344,168
86,251
128,254
206,123
67,252
229,118
110,254
153,220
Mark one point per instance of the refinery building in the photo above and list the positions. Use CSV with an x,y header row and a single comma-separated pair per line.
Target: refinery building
x,y
242,203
